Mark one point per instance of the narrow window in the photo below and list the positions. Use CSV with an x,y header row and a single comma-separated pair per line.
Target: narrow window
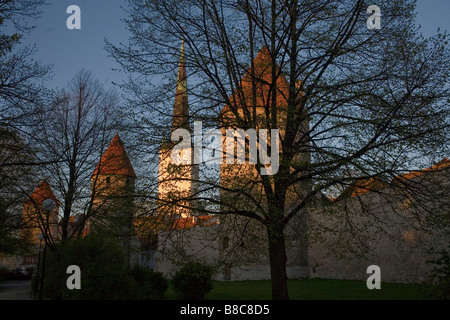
x,y
225,243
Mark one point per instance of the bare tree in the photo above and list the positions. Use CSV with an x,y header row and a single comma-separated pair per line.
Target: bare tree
x,y
76,128
349,102
21,90
21,78
15,182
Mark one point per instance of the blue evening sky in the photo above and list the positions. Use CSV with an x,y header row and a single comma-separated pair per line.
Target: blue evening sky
x,y
71,50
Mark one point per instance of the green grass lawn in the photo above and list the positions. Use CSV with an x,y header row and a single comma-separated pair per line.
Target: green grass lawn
x,y
311,289
316,289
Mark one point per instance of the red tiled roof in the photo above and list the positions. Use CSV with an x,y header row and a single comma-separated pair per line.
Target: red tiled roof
x,y
42,192
74,221
436,167
144,224
191,222
115,160
365,185
263,77
361,186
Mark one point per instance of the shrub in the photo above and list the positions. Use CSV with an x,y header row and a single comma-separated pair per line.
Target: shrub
x,y
151,285
104,273
193,281
440,276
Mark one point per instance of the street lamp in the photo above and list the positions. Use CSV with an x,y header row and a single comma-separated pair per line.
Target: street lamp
x,y
47,205
40,237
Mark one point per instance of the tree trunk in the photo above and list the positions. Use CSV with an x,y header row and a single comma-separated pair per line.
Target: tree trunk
x,y
278,258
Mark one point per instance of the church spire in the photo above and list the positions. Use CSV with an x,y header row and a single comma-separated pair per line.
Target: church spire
x,y
181,107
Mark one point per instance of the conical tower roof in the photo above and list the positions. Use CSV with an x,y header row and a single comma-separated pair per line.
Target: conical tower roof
x,y
42,192
115,160
181,106
263,67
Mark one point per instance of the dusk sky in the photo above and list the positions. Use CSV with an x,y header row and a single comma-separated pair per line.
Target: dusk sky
x,y
71,50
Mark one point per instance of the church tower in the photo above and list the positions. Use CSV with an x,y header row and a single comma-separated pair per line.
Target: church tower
x,y
113,187
242,187
177,183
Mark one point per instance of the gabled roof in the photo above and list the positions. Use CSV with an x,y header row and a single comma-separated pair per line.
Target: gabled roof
x,y
42,192
263,66
115,160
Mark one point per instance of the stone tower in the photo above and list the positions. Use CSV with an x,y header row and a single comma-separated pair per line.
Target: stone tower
x,y
112,188
35,218
251,100
177,183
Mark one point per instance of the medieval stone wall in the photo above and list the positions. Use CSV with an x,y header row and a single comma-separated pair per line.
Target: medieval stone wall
x,y
380,228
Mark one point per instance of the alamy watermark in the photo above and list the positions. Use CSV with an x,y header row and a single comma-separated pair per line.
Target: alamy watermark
x,y
374,280
374,21
74,280
74,20
181,152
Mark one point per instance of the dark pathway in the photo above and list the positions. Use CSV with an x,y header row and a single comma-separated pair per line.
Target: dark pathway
x,y
15,290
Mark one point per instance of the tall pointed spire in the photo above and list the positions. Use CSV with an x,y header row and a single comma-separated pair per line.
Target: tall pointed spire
x,y
181,107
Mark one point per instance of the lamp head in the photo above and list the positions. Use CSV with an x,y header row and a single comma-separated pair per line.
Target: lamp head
x,y
48,204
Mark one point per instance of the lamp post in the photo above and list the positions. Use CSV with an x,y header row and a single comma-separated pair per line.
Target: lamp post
x,y
36,285
47,206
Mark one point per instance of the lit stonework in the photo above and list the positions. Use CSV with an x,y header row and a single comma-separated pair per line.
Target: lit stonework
x,y
34,218
113,188
251,100
177,183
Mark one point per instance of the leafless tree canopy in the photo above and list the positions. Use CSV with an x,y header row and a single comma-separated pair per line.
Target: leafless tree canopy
x,y
75,130
21,92
376,100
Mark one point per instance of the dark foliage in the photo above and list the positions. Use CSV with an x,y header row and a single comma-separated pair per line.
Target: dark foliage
x,y
151,285
193,281
439,288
